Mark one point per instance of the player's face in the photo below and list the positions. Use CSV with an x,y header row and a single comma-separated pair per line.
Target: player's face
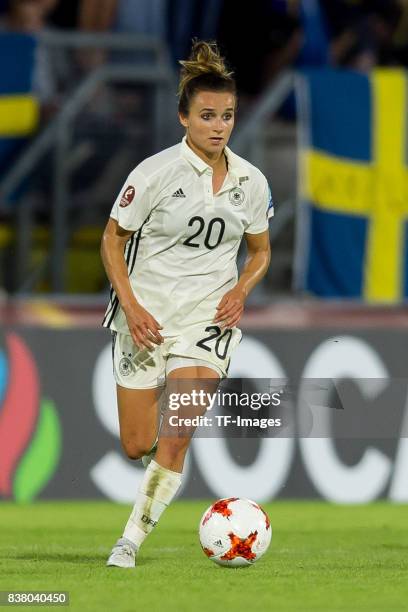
x,y
210,121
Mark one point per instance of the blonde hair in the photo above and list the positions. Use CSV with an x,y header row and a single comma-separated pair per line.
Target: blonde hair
x,y
205,69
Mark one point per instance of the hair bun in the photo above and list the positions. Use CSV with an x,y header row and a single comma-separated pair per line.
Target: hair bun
x,y
205,58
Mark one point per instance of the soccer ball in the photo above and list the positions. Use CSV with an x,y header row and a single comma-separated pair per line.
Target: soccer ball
x,y
235,532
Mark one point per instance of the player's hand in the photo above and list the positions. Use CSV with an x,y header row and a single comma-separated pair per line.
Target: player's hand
x,y
230,308
143,327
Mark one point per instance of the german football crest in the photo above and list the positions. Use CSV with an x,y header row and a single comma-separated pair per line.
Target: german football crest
x,y
237,196
127,197
125,365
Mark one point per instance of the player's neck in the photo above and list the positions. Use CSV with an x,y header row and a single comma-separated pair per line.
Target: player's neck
x,y
216,160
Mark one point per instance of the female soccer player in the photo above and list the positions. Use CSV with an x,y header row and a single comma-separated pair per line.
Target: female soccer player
x,y
169,250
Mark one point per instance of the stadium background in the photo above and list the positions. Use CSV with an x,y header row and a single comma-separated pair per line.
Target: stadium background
x,y
87,90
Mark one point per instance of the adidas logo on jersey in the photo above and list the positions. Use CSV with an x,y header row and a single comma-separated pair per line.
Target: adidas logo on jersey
x,y
179,194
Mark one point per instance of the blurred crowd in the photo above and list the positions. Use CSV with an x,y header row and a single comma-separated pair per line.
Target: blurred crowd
x,y
113,130
258,40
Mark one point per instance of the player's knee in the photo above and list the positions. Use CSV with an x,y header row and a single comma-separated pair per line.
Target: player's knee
x,y
135,450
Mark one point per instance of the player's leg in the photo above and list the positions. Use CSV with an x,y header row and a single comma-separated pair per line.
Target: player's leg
x,y
137,374
162,478
138,419
174,442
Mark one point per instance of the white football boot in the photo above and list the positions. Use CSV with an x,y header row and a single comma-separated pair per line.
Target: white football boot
x,y
123,554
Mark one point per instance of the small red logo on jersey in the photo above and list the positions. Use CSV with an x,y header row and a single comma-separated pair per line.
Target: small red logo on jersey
x,y
127,197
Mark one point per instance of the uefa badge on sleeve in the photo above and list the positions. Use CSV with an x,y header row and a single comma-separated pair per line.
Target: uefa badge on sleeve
x,y
237,196
127,197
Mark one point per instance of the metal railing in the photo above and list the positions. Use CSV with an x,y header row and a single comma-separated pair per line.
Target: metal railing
x,y
246,140
57,135
63,144
78,40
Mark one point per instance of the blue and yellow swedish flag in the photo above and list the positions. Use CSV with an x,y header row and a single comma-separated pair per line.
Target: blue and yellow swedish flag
x,y
352,229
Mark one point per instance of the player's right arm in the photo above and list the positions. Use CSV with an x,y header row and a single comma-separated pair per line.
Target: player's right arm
x,y
143,327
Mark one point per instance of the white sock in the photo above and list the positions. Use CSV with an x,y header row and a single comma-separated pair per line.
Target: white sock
x,y
157,489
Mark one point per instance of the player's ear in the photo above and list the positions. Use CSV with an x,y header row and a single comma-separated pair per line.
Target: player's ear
x,y
183,120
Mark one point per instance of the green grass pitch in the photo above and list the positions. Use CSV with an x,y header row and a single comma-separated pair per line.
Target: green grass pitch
x,y
322,557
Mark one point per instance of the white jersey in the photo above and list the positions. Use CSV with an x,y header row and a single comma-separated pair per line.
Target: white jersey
x,y
182,257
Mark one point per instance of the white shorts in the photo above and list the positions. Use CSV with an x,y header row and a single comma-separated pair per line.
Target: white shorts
x,y
205,345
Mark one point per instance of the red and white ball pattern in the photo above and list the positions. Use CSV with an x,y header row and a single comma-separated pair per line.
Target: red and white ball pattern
x,y
235,532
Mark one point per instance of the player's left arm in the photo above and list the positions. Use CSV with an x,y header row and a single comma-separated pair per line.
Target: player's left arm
x,y
231,306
